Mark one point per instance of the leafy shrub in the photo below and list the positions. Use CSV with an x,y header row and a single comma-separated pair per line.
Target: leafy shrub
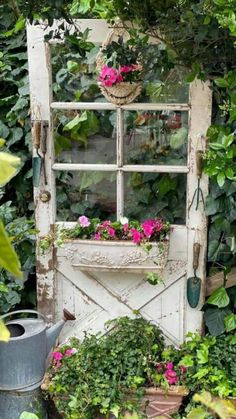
x,y
97,377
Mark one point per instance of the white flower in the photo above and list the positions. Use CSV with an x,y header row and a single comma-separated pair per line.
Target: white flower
x,y
124,220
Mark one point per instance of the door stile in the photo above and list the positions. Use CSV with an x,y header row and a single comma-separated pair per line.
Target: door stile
x,y
39,60
196,220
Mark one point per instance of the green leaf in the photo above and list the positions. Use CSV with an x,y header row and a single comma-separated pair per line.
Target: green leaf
x,y
9,165
28,415
214,319
230,322
198,413
8,257
221,82
4,332
75,121
219,298
221,179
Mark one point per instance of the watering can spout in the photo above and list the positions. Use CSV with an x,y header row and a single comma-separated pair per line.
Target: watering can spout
x,y
53,332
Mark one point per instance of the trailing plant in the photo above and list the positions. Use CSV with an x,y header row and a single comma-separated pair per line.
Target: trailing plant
x,y
109,374
210,363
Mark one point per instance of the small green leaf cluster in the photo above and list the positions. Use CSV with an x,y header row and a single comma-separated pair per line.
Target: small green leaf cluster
x,y
210,363
100,376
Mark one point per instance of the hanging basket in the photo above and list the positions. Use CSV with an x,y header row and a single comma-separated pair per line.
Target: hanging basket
x,y
122,93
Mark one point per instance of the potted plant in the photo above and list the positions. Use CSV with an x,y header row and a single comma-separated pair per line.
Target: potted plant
x,y
128,246
119,374
120,66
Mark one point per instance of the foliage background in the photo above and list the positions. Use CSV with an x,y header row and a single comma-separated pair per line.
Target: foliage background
x,y
200,35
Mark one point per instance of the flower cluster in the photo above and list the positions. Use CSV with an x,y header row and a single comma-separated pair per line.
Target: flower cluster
x,y
173,375
146,231
58,356
110,76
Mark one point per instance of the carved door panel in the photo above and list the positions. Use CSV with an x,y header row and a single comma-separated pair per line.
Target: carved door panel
x,y
98,296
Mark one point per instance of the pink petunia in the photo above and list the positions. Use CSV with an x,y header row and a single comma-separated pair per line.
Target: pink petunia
x,y
136,235
97,236
125,227
109,76
69,352
148,228
84,221
170,365
171,377
57,356
111,231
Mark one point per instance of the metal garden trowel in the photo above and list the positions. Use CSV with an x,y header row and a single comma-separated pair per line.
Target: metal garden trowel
x,y
194,282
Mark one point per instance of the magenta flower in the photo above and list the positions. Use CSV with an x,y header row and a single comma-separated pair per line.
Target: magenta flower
x,y
148,227
57,356
111,231
170,365
84,221
109,76
126,227
126,68
171,376
97,236
158,225
136,235
106,224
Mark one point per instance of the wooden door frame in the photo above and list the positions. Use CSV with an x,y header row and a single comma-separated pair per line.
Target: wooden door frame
x,y
41,107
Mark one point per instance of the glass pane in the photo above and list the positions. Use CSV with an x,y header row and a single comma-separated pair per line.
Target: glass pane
x,y
159,137
75,76
85,136
148,195
85,193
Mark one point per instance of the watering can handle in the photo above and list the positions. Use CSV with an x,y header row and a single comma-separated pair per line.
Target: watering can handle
x,y
23,311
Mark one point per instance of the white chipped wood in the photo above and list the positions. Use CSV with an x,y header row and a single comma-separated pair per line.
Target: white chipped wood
x,y
39,63
96,296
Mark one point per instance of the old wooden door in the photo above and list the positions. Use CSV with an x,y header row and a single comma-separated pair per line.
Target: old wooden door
x,y
98,296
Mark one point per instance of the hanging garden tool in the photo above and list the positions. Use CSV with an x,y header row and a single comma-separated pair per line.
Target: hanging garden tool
x,y
37,160
43,148
194,282
198,194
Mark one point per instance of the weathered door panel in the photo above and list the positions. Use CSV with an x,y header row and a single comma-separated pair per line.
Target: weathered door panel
x,y
96,297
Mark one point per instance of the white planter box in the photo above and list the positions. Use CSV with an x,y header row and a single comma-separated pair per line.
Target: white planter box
x,y
114,256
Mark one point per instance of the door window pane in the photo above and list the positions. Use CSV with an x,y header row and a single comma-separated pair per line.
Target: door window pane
x,y
85,136
149,195
87,193
159,137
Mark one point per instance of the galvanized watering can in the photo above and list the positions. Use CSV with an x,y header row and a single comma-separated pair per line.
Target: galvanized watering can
x,y
23,358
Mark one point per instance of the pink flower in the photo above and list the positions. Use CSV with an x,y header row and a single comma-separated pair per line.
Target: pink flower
x,y
69,352
126,68
97,236
171,376
109,76
111,231
126,227
58,364
170,365
57,356
148,227
158,225
106,224
84,221
136,235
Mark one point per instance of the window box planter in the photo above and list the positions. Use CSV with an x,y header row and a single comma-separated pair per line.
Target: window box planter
x,y
115,256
